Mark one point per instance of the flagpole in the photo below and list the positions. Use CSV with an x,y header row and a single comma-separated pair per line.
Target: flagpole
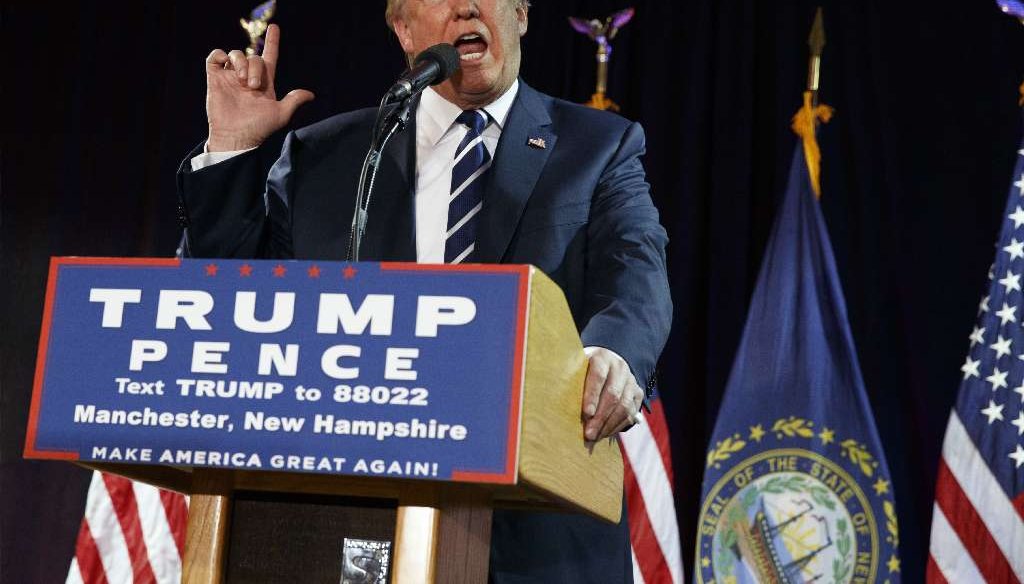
x,y
776,378
805,122
816,42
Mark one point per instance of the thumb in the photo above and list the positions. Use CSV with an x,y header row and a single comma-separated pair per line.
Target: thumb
x,y
295,98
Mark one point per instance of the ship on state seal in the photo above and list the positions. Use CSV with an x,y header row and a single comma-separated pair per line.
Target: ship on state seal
x,y
761,545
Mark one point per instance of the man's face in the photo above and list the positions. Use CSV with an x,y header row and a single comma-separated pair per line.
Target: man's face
x,y
486,34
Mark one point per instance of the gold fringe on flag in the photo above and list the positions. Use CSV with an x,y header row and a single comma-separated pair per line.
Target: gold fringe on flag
x,y
804,124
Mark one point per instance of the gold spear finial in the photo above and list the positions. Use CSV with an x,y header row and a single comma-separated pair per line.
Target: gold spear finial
x,y
816,42
806,120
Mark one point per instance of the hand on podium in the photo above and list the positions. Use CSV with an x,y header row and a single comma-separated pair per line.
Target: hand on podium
x,y
242,108
611,395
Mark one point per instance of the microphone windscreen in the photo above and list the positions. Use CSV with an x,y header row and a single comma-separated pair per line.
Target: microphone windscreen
x,y
447,58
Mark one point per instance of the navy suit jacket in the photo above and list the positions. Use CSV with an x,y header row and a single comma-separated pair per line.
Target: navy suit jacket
x,y
579,209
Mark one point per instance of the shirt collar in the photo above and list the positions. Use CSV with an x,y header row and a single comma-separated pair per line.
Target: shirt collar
x,y
436,114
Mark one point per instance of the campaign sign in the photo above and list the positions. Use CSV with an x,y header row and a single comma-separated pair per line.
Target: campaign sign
x,y
366,369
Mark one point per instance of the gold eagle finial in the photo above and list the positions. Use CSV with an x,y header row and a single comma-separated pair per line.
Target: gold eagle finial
x,y
256,26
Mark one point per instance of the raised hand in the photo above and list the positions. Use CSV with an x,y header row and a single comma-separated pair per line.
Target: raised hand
x,y
241,105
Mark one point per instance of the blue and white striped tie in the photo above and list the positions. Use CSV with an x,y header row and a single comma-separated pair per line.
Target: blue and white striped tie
x,y
467,195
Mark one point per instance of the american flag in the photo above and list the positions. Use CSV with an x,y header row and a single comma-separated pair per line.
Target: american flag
x,y
131,532
978,518
653,531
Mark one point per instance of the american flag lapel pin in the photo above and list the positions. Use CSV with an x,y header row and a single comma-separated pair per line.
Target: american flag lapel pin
x,y
537,143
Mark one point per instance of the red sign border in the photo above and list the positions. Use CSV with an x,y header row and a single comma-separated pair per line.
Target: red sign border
x,y
44,342
510,473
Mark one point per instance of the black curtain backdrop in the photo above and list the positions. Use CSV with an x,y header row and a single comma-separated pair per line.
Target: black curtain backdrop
x,y
101,100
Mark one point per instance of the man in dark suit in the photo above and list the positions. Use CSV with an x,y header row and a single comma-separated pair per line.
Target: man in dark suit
x,y
489,170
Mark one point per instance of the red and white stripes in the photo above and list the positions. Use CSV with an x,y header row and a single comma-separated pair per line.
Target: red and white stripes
x,y
654,532
131,532
977,532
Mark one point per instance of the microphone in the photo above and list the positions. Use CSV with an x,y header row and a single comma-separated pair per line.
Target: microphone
x,y
431,67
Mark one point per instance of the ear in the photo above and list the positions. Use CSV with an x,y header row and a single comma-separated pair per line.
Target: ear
x,y
404,34
522,15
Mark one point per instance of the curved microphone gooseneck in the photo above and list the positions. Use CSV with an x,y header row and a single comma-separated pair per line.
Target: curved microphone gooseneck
x,y
431,67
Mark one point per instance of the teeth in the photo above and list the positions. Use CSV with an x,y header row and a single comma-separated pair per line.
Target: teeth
x,y
469,37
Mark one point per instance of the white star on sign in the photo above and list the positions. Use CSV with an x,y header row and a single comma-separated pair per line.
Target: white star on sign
x,y
1001,346
993,412
1015,249
997,379
1018,456
983,306
970,367
1019,422
1020,184
1019,390
977,335
1011,281
1006,314
1017,217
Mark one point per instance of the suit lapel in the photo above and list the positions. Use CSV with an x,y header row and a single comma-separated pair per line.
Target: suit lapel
x,y
391,228
517,166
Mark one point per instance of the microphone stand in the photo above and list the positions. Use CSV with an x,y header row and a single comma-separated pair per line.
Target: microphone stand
x,y
433,65
393,122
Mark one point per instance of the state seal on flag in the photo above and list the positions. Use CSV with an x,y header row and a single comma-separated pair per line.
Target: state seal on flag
x,y
804,496
790,514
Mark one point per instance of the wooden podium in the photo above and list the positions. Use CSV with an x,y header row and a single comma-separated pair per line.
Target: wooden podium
x,y
442,529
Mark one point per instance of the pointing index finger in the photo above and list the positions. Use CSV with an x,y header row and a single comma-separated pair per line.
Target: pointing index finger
x,y
270,47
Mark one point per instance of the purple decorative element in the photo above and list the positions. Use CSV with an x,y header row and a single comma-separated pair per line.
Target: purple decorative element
x,y
263,11
582,26
620,18
602,33
1012,7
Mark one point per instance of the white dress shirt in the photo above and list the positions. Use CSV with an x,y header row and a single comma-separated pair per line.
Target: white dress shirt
x,y
437,137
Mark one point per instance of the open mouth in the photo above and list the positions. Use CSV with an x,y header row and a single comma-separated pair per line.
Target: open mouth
x,y
471,46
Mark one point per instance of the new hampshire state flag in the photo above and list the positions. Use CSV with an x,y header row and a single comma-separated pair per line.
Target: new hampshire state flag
x,y
796,488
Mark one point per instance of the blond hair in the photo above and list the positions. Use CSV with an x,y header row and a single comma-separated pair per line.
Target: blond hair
x,y
394,6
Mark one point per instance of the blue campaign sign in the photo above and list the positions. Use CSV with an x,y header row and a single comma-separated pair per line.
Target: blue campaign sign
x,y
399,370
